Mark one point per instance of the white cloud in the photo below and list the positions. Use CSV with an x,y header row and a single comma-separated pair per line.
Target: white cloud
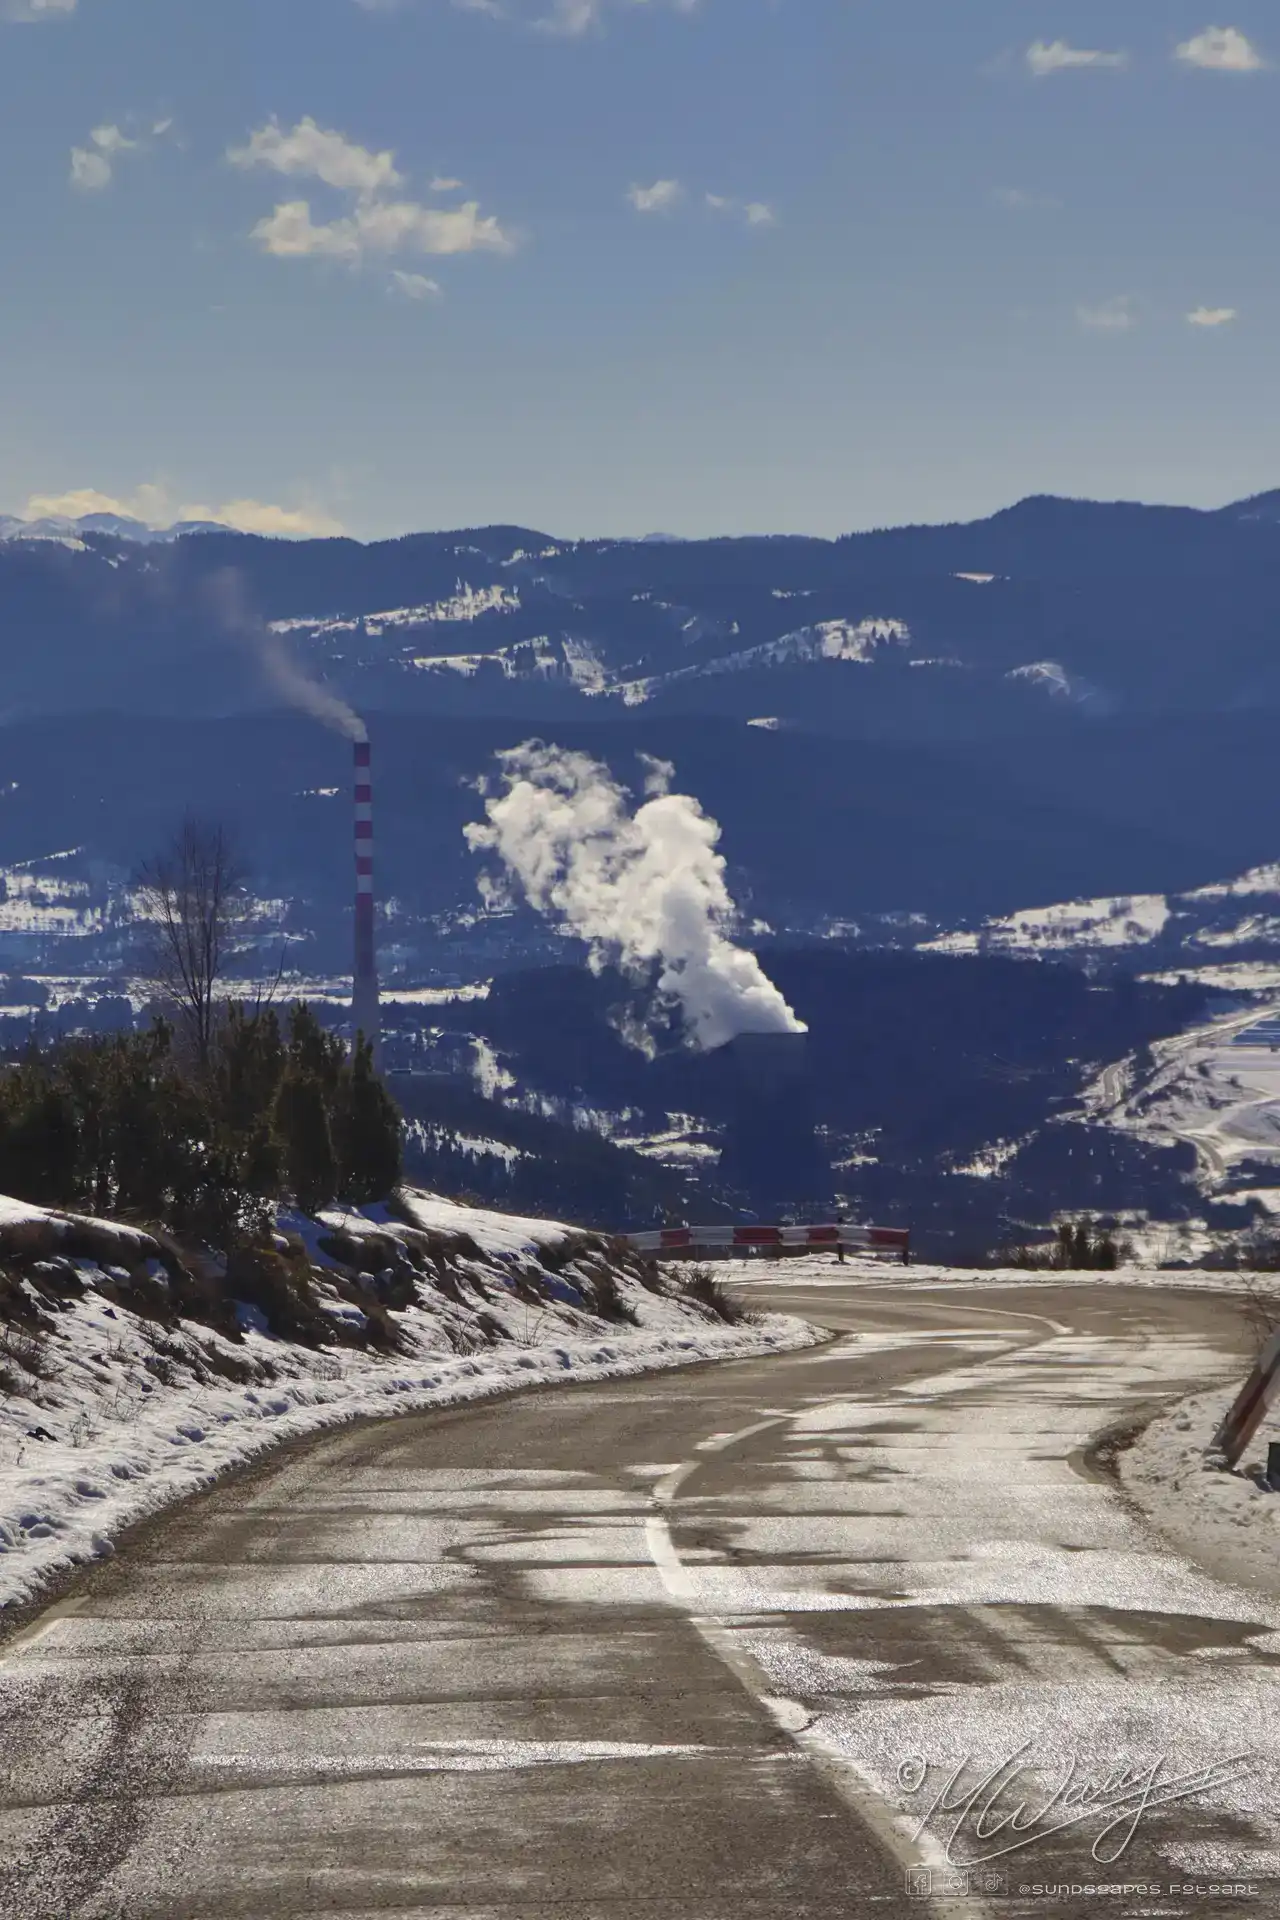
x,y
90,171
1212,316
154,504
1222,50
565,19
1019,200
78,501
93,166
1045,57
443,184
375,225
756,213
29,10
258,516
415,286
1111,316
379,227
311,152
573,18
659,198
112,140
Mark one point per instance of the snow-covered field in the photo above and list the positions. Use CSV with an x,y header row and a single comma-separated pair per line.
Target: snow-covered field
x,y
1198,930
1217,1087
112,1414
1129,920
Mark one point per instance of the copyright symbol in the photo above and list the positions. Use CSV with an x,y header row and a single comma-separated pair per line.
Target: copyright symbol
x,y
912,1774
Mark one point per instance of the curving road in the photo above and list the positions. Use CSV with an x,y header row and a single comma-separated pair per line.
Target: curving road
x,y
704,1645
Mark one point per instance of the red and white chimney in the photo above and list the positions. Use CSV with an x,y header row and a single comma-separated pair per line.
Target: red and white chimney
x,y
365,1015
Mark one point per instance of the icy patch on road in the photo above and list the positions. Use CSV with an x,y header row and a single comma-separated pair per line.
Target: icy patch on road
x,y
1046,1632
429,1756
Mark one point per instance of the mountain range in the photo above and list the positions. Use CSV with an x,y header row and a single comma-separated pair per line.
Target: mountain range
x,y
1052,612
918,738
1067,699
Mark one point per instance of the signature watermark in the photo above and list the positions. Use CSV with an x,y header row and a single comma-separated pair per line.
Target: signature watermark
x,y
933,1883
983,1813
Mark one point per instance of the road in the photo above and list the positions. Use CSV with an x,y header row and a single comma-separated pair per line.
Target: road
x,y
676,1646
1222,1098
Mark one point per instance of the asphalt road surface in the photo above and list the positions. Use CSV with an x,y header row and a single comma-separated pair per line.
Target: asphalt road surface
x,y
707,1644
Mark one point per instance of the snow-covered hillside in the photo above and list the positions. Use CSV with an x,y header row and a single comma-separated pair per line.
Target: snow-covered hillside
x,y
857,641
1228,924
1217,1088
130,1377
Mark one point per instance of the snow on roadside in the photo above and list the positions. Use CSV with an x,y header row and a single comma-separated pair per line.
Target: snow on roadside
x,y
1226,1521
109,1415
806,1271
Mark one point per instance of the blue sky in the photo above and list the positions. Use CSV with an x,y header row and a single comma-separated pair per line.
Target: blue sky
x,y
614,266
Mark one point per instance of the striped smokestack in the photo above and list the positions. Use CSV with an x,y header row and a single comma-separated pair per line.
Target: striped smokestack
x,y
365,1016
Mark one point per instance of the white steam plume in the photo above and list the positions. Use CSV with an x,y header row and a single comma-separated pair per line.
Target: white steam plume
x,y
643,889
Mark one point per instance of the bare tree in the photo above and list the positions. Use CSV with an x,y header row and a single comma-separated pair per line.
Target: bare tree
x,y
193,895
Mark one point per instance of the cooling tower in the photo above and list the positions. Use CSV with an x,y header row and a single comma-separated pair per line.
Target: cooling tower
x,y
365,1013
771,1147
767,1062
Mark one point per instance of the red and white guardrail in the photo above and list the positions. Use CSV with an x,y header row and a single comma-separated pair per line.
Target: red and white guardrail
x,y
1255,1396
831,1239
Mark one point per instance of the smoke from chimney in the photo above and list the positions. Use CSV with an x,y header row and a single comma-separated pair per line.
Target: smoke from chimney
x,y
307,695
291,680
645,890
227,594
365,1012
331,710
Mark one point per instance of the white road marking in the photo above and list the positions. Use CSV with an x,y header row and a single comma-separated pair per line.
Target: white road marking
x,y
897,1832
48,1622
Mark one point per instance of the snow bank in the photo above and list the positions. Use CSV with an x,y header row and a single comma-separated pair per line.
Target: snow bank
x,y
1227,1521
807,1271
108,1415
494,1232
24,1227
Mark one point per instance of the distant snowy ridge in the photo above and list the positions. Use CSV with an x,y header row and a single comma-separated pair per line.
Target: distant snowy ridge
x,y
850,640
574,661
117,526
465,603
1061,685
